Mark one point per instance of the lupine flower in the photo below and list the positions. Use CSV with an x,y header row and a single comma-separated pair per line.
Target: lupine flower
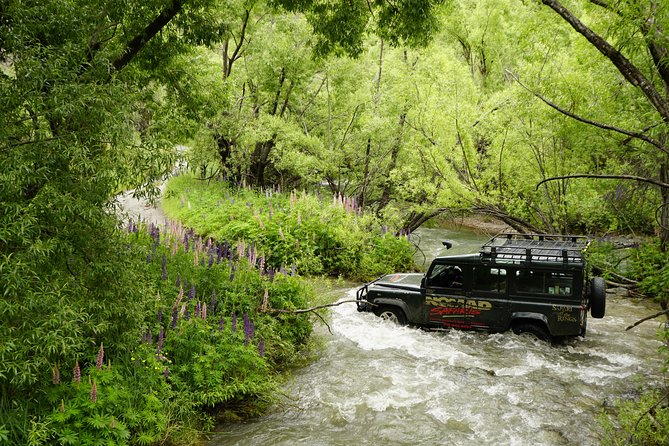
x,y
161,337
261,348
56,374
186,313
191,293
196,258
164,266
203,313
265,301
100,358
76,373
183,310
212,302
211,260
166,373
248,329
197,309
178,280
160,315
175,317
94,392
234,322
149,338
143,337
221,323
186,244
292,270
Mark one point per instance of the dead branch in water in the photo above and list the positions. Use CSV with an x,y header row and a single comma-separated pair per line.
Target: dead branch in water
x,y
319,307
307,310
652,316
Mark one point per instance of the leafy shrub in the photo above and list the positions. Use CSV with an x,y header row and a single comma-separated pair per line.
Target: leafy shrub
x,y
307,232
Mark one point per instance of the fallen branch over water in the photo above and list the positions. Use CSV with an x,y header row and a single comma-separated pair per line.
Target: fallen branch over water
x,y
307,310
319,307
652,316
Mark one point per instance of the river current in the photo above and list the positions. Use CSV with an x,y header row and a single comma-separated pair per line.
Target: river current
x,y
375,382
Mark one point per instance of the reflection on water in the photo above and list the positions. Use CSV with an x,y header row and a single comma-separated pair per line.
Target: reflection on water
x,y
379,383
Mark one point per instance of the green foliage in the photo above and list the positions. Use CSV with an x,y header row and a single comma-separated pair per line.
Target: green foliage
x,y
314,235
650,266
643,421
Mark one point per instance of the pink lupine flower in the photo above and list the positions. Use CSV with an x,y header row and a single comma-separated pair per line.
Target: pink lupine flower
x,y
76,373
94,392
100,358
56,374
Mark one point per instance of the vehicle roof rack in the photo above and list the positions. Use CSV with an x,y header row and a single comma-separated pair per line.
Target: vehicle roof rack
x,y
528,248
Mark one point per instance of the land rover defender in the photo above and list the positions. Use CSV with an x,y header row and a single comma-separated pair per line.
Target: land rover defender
x,y
528,283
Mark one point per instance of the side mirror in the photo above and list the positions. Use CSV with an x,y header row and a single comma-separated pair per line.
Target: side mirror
x,y
447,244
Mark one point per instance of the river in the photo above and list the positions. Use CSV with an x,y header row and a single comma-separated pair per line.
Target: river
x,y
378,383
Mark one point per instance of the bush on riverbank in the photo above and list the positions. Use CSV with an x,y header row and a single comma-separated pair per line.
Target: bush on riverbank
x,y
205,335
310,233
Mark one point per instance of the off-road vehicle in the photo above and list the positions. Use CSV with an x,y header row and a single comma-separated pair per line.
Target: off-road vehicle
x,y
528,283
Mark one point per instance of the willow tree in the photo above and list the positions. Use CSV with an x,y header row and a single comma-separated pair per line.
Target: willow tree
x,y
632,37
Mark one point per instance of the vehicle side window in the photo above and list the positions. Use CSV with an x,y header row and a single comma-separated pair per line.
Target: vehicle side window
x,y
446,276
489,279
545,282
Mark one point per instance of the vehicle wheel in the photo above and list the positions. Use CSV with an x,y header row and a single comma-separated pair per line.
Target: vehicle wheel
x,y
535,330
393,314
597,297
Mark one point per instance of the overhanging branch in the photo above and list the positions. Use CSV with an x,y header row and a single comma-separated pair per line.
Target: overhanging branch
x,y
135,45
631,134
606,177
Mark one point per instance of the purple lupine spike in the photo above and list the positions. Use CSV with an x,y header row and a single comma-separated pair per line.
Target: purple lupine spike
x,y
271,274
100,358
221,323
212,302
161,338
225,249
76,373
292,270
186,313
261,348
175,317
143,337
166,373
198,308
56,374
94,392
211,260
149,338
191,293
178,280
233,325
160,315
186,243
164,266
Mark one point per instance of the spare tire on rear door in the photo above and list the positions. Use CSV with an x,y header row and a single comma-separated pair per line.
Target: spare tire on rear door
x,y
597,297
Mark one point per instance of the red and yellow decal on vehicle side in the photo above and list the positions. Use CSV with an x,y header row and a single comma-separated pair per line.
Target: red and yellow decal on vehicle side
x,y
446,308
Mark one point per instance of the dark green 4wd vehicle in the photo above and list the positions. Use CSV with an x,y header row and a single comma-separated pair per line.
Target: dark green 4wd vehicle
x,y
528,283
